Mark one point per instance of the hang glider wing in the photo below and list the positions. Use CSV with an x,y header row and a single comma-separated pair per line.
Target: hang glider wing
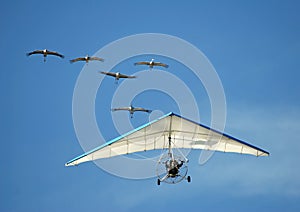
x,y
155,135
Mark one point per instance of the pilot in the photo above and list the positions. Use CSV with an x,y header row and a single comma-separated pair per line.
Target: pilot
x,y
173,167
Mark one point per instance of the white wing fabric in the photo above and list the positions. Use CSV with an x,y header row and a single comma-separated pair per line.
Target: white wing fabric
x,y
155,135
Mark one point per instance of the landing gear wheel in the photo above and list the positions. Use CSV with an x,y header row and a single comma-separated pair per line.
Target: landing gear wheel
x,y
188,179
158,181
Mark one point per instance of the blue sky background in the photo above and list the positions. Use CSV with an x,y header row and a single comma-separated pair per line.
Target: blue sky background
x,y
254,47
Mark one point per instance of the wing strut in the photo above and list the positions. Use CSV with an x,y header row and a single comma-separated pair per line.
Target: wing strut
x,y
170,150
170,132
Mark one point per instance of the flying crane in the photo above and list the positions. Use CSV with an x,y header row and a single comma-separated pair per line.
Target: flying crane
x,y
45,52
87,58
117,75
132,110
151,64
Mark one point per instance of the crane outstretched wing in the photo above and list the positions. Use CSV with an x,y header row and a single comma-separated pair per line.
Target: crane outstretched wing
x,y
120,108
56,54
97,58
161,64
108,73
142,109
154,135
77,59
34,52
126,76
141,63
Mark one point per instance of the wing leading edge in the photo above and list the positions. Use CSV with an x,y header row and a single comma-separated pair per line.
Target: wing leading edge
x,y
154,135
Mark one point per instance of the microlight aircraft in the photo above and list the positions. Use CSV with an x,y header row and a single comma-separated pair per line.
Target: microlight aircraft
x,y
169,133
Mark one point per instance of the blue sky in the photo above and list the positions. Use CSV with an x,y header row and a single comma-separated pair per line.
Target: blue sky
x,y
254,47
